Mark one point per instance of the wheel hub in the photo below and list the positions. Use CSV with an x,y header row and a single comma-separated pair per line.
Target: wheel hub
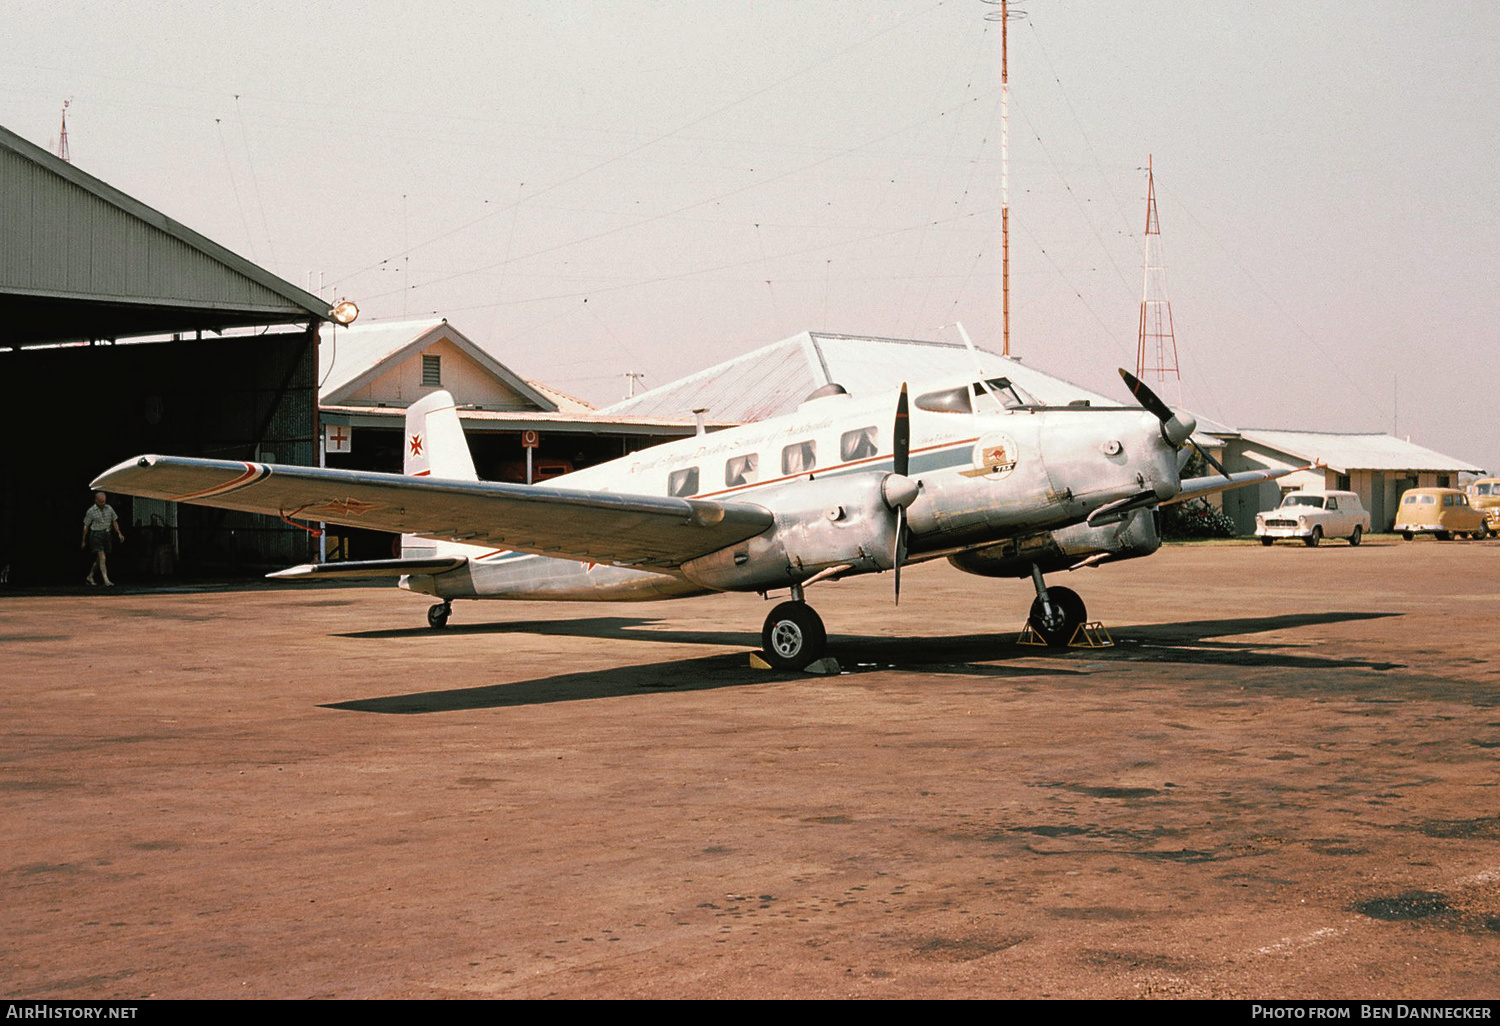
x,y
786,638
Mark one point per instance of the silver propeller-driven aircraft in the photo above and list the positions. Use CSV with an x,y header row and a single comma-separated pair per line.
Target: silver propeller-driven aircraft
x,y
975,471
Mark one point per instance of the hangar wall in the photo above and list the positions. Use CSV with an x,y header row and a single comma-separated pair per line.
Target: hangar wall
x,y
74,411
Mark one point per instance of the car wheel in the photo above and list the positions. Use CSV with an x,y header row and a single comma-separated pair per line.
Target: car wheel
x,y
1442,535
1357,536
1267,541
1311,541
1407,535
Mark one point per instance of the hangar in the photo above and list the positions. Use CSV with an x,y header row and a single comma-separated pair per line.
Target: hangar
x,y
122,332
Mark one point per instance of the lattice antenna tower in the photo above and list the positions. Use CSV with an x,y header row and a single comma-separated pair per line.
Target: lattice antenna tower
x,y
1156,346
62,138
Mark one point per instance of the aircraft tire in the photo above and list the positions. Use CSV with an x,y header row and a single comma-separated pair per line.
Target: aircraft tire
x,y
793,637
1074,612
437,616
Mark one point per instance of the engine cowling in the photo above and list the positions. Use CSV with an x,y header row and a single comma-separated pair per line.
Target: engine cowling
x,y
1134,536
819,524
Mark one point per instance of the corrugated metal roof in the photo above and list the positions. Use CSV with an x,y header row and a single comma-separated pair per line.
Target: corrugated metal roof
x,y
350,357
1362,451
774,379
565,403
83,260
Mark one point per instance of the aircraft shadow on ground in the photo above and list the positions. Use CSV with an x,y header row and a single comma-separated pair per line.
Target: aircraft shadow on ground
x,y
968,655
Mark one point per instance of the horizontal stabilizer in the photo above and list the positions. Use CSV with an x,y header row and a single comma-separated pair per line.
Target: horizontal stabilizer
x,y
354,569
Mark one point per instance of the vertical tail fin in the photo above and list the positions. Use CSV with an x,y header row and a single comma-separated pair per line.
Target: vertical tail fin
x,y
435,443
435,447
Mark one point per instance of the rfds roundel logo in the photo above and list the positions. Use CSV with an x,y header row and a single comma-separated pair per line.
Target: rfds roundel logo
x,y
995,456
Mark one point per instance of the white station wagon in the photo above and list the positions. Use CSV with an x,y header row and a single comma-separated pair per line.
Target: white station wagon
x,y
1313,516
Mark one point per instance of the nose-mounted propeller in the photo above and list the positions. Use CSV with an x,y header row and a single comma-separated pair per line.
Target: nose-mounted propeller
x,y
899,490
1176,428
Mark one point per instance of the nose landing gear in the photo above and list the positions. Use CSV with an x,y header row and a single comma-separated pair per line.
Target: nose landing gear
x,y
437,616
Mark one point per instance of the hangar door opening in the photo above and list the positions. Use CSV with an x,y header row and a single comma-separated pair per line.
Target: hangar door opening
x,y
77,410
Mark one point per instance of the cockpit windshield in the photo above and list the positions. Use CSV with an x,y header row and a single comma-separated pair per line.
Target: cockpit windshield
x,y
962,399
1011,395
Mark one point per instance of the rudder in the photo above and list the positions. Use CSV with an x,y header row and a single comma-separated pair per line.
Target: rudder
x,y
435,443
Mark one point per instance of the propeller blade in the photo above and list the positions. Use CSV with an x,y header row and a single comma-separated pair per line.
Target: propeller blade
x,y
899,555
1209,459
1176,428
901,434
1147,398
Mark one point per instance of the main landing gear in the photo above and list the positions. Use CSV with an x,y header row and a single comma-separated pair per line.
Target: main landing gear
x,y
1057,612
437,616
794,637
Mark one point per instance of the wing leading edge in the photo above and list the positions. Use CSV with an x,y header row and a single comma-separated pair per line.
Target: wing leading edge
x,y
645,531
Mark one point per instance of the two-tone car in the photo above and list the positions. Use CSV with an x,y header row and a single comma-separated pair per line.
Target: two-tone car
x,y
1484,495
1441,512
1312,515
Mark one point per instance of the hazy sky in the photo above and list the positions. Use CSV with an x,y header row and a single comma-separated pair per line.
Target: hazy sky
x,y
598,188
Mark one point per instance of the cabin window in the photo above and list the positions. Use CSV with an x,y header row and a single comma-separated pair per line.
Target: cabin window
x,y
432,370
1447,500
683,482
742,470
949,400
799,458
858,444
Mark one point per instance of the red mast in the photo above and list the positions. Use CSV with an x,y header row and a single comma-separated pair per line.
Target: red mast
x,y
62,139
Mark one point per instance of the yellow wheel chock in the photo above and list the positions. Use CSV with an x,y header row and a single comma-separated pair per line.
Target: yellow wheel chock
x,y
1087,635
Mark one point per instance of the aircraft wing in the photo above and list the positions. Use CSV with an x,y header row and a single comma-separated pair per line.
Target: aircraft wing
x,y
1197,487
653,532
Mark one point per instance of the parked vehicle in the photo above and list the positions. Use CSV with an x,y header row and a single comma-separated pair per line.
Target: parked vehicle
x,y
1440,512
1312,516
1484,495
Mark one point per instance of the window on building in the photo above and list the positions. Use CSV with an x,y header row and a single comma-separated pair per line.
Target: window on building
x,y
432,370
1343,482
683,482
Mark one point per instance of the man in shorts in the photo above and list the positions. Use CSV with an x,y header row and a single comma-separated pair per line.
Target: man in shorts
x,y
97,524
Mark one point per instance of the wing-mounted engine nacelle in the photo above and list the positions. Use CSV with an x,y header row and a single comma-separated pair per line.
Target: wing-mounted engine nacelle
x,y
1134,535
841,521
